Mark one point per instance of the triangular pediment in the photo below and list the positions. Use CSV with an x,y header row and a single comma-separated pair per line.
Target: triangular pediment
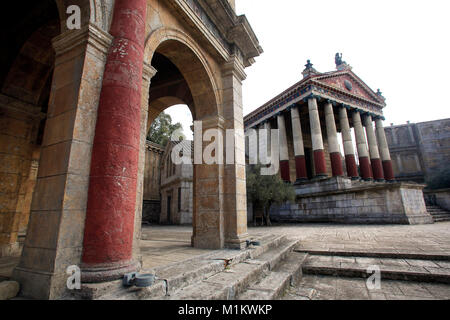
x,y
347,81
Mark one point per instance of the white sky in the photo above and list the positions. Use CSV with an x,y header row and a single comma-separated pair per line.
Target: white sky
x,y
399,46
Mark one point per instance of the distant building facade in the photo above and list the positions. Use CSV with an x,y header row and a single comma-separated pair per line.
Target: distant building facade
x,y
176,189
168,187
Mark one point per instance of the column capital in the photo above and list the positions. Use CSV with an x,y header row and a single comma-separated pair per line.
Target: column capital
x,y
89,34
148,72
234,67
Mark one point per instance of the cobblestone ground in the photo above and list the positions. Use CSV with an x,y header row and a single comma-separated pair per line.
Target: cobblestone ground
x,y
431,238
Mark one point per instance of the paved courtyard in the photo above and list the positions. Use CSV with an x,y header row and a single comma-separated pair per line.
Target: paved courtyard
x,y
163,244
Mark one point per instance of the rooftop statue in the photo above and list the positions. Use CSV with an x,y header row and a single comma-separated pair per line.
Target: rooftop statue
x,y
338,59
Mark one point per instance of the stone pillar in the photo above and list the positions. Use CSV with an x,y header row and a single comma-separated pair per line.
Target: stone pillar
x,y
299,149
384,151
54,238
234,188
148,73
284,154
377,167
110,214
349,151
361,144
333,145
316,137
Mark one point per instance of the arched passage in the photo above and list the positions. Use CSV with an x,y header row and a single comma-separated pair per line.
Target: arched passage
x,y
26,71
58,71
187,79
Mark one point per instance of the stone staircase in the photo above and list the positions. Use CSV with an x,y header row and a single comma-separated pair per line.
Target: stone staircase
x,y
269,271
419,267
438,213
257,273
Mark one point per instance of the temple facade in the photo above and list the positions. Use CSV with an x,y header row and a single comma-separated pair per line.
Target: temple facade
x,y
310,118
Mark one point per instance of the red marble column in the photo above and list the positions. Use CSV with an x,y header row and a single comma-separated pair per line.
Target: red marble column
x,y
363,152
333,145
317,140
284,153
384,151
377,168
349,151
109,225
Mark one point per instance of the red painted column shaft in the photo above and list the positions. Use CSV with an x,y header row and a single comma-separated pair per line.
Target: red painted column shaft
x,y
366,170
319,163
377,169
300,166
109,226
336,164
388,171
352,170
285,171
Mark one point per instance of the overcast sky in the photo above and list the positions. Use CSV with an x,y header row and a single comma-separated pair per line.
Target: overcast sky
x,y
399,46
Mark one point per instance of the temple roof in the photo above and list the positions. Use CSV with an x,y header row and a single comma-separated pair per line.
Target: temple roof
x,y
341,86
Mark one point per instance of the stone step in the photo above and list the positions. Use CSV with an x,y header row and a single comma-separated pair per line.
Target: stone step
x,y
236,279
176,276
392,269
377,253
274,285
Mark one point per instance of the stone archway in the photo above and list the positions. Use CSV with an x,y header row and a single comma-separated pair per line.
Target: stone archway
x,y
217,222
55,228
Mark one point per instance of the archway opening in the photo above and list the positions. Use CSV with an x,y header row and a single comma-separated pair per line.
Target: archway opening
x,y
26,71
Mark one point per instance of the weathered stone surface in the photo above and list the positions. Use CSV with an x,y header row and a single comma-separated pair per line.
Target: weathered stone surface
x,y
9,289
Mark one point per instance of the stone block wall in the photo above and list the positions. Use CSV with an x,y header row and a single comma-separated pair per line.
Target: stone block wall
x,y
420,150
341,200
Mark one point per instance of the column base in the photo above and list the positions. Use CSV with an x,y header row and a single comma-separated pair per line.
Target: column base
x,y
350,163
336,164
319,163
237,244
107,272
377,169
285,171
300,181
366,169
388,170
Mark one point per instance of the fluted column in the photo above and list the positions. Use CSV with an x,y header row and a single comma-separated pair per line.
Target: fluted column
x,y
347,140
299,149
377,167
361,143
316,137
284,154
333,145
384,150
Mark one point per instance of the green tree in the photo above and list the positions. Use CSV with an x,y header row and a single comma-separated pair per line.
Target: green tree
x,y
264,191
162,129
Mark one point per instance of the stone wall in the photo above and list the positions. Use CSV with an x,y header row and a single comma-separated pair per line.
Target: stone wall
x,y
341,200
420,150
19,156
